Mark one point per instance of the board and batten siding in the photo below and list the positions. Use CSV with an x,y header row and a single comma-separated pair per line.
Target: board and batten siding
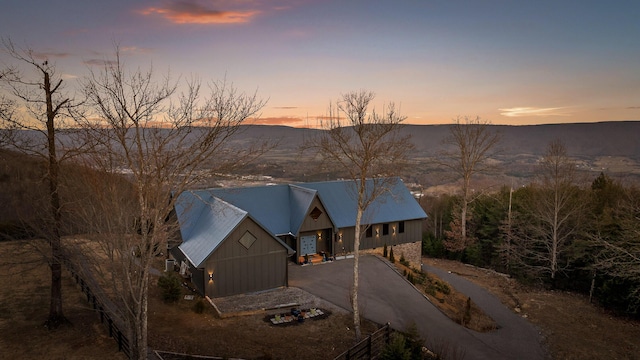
x,y
320,227
321,223
412,233
238,270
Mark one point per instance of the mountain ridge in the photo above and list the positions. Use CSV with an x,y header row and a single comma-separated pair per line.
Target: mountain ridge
x,y
606,138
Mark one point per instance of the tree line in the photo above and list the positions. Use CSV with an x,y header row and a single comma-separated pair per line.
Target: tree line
x,y
564,230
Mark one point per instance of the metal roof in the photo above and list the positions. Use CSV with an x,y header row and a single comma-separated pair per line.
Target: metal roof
x,y
205,221
207,217
340,200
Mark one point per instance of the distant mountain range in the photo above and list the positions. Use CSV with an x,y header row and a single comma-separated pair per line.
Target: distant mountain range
x,y
614,138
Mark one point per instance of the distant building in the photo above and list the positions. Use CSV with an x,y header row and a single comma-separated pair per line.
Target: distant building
x,y
238,240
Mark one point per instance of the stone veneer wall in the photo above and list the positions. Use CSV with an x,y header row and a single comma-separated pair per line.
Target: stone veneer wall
x,y
412,252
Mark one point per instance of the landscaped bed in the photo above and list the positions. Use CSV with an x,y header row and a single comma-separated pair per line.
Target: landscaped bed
x,y
296,316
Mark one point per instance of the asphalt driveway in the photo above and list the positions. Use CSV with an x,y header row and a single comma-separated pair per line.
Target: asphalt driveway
x,y
385,296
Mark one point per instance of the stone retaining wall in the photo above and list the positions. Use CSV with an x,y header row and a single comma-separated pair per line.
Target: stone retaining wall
x,y
412,252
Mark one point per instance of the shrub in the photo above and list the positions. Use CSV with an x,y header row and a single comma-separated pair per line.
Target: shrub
x,y
169,284
397,349
466,318
404,345
404,261
199,306
391,257
384,251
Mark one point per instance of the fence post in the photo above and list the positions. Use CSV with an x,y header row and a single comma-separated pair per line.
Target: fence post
x,y
110,322
119,340
387,334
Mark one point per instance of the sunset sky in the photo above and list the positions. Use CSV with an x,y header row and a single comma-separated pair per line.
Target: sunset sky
x,y
509,62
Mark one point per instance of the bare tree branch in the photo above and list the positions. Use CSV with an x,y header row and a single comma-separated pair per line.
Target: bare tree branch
x,y
369,147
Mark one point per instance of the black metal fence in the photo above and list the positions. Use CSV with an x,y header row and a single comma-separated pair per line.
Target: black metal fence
x,y
369,348
100,303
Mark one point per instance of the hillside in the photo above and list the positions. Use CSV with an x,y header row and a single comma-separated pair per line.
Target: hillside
x,y
619,138
610,147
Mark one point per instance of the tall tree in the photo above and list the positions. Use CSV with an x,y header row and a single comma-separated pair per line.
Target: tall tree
x,y
368,146
553,213
164,142
468,148
34,110
618,252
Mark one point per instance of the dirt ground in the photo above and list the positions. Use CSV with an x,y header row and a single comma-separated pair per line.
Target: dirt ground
x,y
24,305
574,329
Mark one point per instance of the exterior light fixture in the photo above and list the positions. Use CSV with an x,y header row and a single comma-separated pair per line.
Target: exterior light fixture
x,y
210,277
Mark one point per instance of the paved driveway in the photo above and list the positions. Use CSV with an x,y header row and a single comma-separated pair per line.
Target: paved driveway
x,y
386,297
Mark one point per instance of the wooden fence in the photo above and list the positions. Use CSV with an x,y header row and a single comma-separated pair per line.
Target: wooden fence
x,y
369,348
100,302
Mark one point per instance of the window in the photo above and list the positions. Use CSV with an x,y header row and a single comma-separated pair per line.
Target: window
x,y
385,229
401,227
369,232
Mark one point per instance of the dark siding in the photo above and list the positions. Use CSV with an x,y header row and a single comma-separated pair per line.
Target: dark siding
x,y
323,222
238,270
412,233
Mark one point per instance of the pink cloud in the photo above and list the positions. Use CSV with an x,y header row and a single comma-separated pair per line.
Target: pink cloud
x,y
193,12
288,121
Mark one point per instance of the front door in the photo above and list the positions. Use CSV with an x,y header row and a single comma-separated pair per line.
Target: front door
x,y
307,245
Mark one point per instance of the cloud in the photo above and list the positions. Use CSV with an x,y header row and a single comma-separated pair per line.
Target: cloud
x,y
285,107
633,108
194,12
533,111
134,50
99,62
49,55
288,121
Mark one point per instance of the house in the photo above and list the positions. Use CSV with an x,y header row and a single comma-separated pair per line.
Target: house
x,y
239,240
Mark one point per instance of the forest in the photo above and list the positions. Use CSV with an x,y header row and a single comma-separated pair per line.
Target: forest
x,y
553,232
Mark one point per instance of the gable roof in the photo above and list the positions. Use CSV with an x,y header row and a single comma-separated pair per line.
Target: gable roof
x,y
269,205
208,216
340,200
206,221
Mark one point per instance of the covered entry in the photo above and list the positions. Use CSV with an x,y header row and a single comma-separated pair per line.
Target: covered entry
x,y
308,244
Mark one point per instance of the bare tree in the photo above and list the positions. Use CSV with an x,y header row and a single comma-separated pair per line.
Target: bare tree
x,y
368,146
469,146
33,111
553,213
164,142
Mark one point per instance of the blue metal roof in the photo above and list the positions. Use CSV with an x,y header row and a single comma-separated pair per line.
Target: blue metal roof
x,y
340,200
207,217
300,201
205,221
269,205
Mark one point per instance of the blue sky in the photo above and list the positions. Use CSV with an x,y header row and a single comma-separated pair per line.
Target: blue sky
x,y
510,62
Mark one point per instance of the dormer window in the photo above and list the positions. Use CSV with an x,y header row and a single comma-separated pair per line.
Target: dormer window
x,y
315,213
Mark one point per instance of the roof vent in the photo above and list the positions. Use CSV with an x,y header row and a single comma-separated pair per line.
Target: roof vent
x,y
315,213
247,240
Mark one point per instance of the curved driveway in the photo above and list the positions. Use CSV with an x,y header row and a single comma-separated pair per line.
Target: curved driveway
x,y
385,296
